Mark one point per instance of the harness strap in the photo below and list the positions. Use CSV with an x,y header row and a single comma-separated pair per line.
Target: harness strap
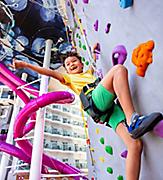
x,y
89,106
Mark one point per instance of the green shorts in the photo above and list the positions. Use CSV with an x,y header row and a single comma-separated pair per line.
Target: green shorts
x,y
103,100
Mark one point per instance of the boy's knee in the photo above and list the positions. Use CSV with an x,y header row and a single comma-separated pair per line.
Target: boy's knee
x,y
119,69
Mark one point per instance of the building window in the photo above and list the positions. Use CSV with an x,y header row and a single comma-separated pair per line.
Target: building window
x,y
56,131
4,94
55,106
48,115
65,160
66,109
56,118
65,146
66,133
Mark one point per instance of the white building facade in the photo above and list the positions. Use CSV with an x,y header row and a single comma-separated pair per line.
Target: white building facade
x,y
64,135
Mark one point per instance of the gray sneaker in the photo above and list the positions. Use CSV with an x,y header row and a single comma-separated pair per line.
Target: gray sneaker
x,y
143,124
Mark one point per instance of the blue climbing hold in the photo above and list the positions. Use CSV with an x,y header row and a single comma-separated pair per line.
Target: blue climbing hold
x,y
125,3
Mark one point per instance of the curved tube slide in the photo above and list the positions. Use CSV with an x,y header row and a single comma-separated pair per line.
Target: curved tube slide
x,y
16,80
20,126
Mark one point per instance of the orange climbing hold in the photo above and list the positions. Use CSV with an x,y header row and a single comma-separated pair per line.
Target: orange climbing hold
x,y
142,57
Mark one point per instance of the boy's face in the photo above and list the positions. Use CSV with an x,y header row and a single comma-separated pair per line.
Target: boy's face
x,y
73,65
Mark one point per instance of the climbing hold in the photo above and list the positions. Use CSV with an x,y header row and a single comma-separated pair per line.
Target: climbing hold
x,y
76,1
120,177
125,3
124,154
102,159
96,48
96,51
84,31
83,59
102,140
109,150
68,3
87,63
84,47
97,131
80,44
92,178
142,57
76,25
107,29
96,25
158,129
86,1
119,55
77,35
110,170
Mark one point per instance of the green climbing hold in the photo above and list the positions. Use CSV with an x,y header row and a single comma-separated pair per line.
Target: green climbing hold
x,y
75,24
120,177
87,63
102,140
77,35
109,150
84,47
83,59
80,44
110,170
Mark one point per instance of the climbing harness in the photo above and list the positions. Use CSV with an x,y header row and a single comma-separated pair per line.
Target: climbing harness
x,y
88,104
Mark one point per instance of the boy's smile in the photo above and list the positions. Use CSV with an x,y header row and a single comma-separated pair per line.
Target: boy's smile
x,y
73,65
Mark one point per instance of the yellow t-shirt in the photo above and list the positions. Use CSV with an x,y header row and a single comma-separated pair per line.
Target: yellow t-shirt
x,y
77,81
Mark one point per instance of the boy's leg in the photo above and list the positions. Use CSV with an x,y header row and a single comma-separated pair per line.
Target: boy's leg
x,y
116,81
134,148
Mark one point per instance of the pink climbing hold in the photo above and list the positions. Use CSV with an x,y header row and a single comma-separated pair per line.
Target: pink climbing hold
x,y
96,48
158,129
76,1
124,154
68,3
96,25
107,29
96,51
86,1
84,31
121,53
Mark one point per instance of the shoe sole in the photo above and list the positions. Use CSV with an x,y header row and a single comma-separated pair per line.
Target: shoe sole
x,y
146,125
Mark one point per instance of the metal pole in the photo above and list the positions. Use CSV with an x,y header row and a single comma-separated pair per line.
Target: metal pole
x,y
6,157
36,162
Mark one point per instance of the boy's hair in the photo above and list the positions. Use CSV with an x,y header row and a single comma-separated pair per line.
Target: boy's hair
x,y
70,54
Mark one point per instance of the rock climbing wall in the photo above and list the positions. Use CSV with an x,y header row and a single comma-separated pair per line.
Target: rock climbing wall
x,y
109,24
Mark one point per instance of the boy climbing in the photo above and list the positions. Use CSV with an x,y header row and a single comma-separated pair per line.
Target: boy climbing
x,y
98,100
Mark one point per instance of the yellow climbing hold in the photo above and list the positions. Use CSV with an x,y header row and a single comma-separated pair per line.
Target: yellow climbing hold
x,y
102,159
97,131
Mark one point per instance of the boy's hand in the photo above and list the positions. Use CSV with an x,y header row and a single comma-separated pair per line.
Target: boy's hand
x,y
17,64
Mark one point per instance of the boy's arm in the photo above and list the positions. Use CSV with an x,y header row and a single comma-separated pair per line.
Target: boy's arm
x,y
44,71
